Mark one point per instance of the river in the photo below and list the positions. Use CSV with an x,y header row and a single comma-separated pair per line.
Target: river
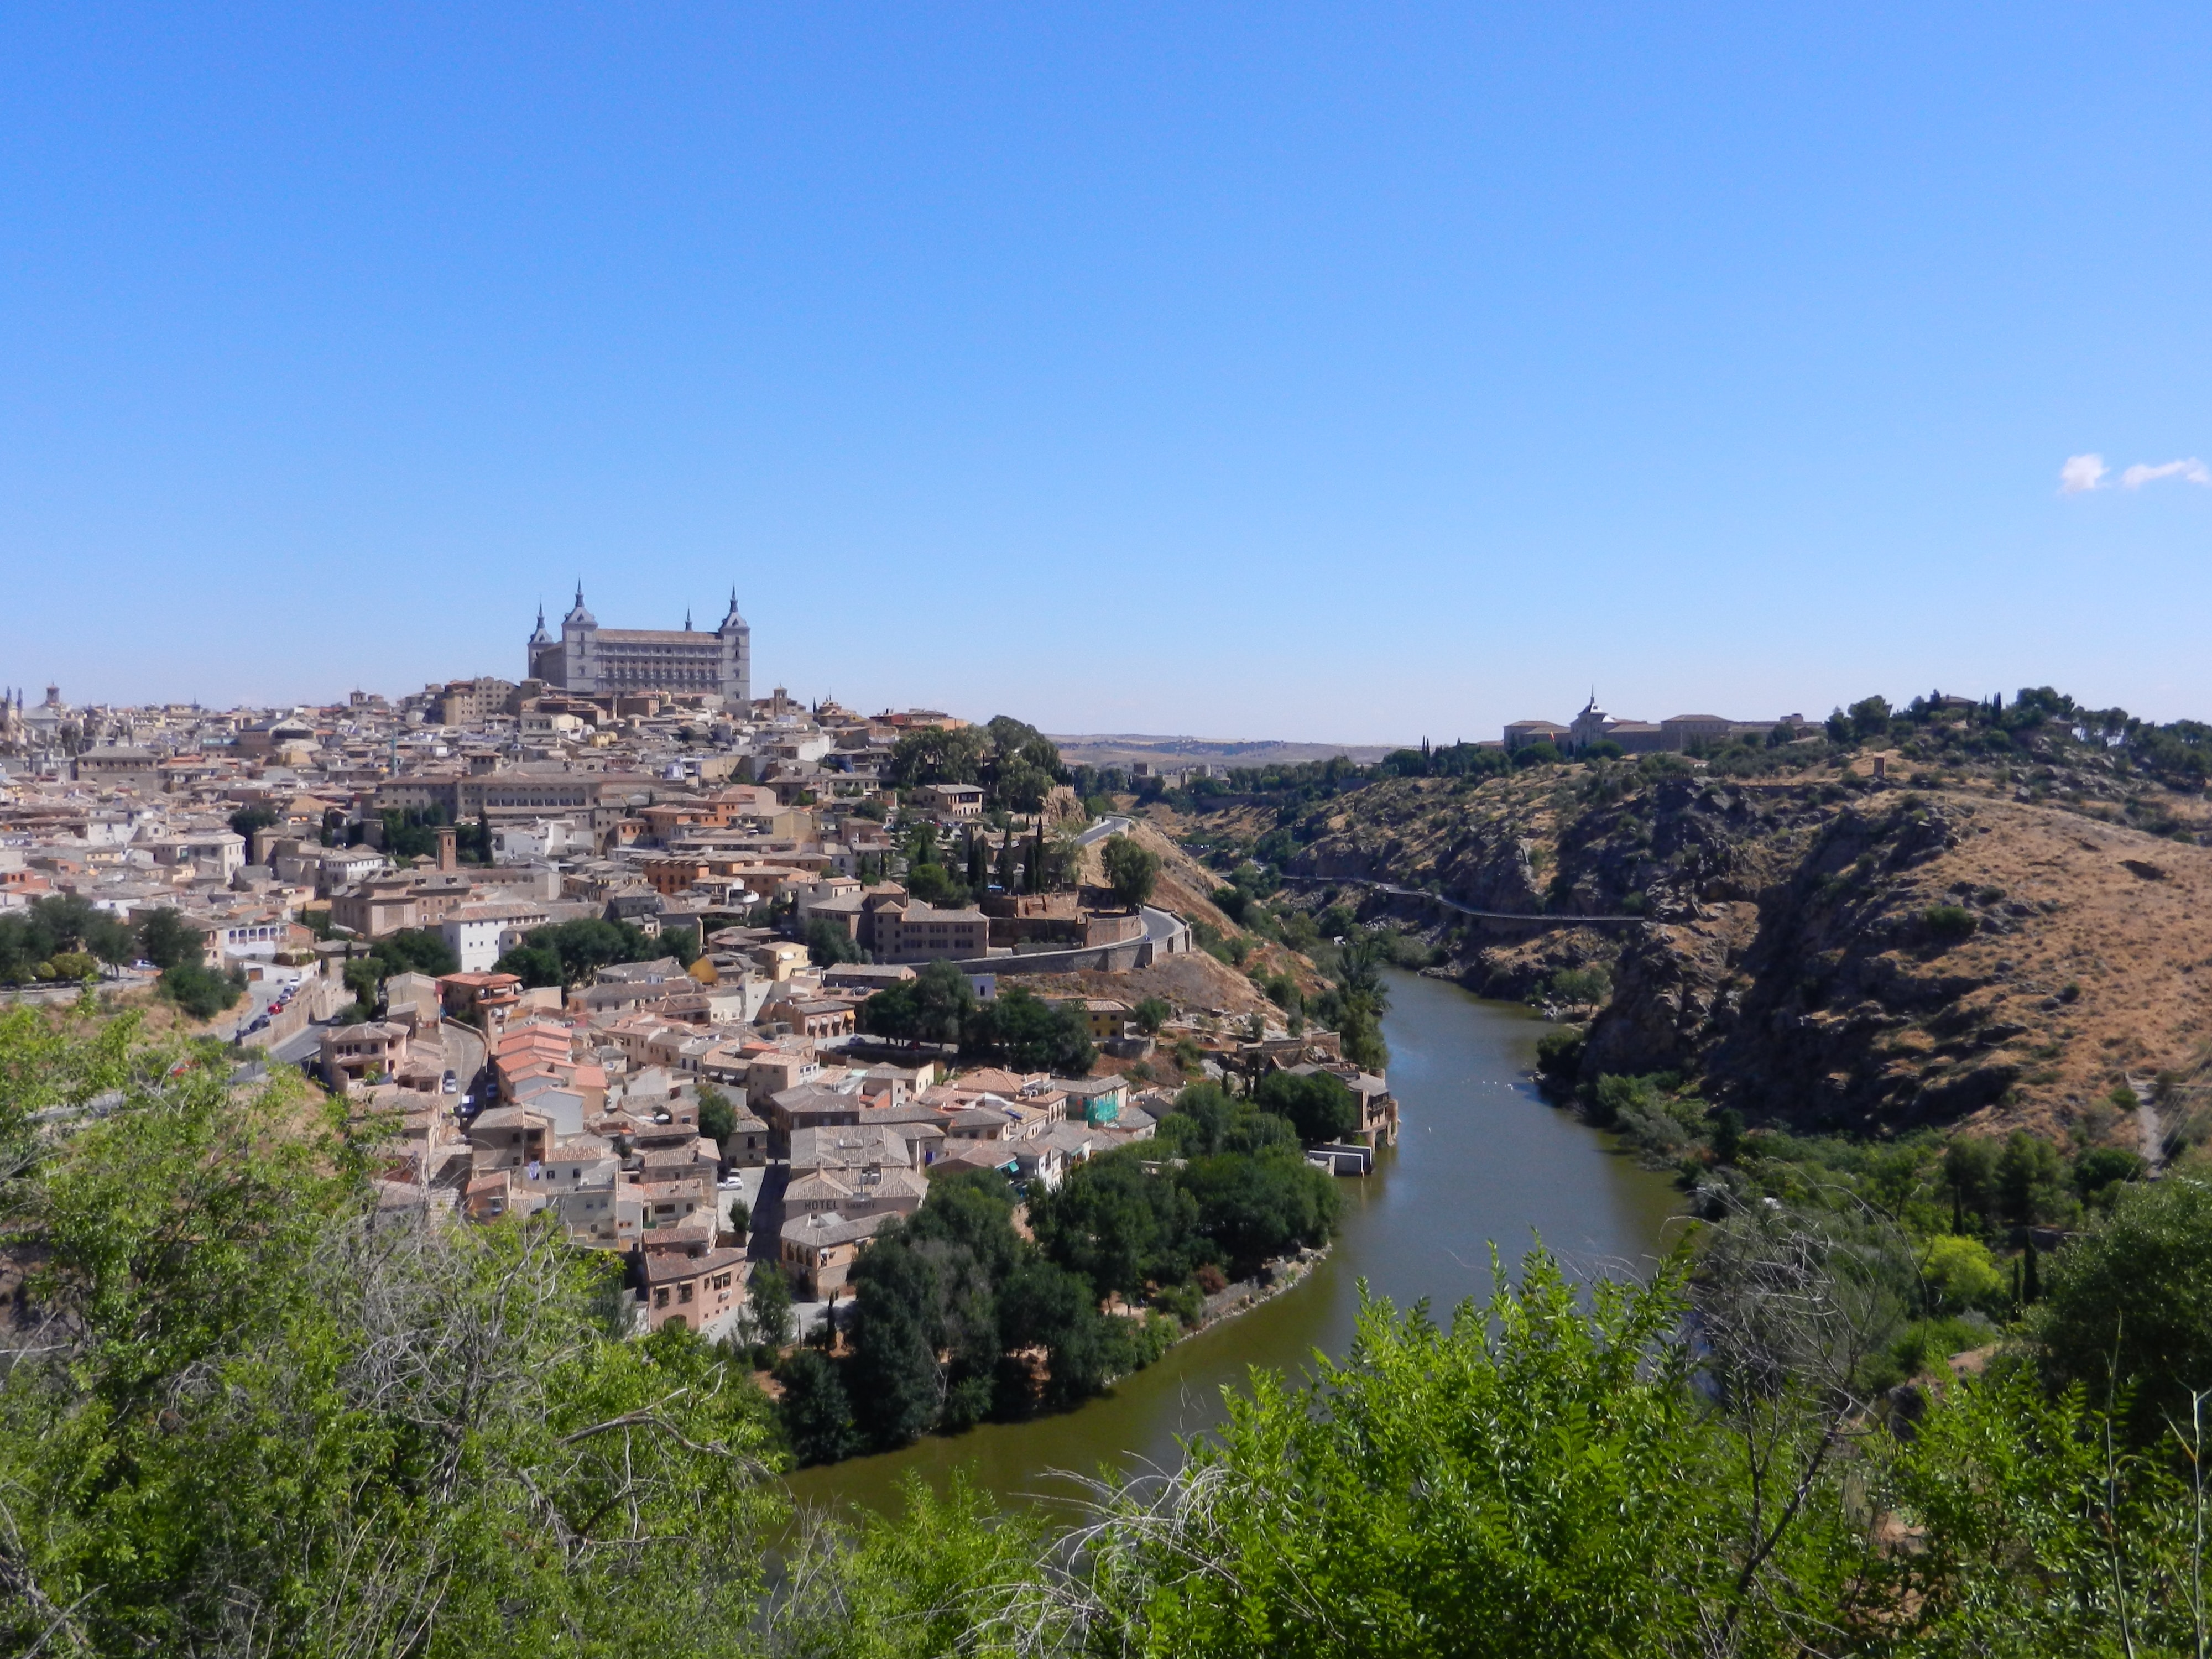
x,y
1479,1159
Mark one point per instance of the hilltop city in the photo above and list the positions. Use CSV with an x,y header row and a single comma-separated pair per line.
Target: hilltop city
x,y
598,942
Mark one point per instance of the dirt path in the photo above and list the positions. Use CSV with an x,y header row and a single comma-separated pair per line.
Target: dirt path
x,y
2151,1127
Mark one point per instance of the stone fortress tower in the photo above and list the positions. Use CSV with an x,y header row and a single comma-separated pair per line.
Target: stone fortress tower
x,y
594,661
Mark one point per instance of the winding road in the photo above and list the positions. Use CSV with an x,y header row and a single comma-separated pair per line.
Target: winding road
x,y
1541,919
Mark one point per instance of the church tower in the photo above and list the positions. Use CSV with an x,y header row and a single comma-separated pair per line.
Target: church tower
x,y
737,637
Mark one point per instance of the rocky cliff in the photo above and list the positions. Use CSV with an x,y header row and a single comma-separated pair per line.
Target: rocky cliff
x,y
1828,950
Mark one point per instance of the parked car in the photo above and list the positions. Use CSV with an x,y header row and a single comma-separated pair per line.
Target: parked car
x,y
452,1084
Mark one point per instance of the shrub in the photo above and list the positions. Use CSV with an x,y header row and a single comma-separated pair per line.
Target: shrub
x,y
1559,1054
1959,1274
201,991
1949,923
1924,1345
2130,1301
2099,1172
1580,984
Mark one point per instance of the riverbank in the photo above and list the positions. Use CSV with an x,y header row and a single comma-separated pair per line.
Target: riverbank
x,y
1481,1160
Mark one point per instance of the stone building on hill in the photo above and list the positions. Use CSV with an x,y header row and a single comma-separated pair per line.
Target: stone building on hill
x,y
590,660
1593,726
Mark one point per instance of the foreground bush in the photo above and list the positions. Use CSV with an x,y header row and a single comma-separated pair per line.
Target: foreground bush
x,y
244,1413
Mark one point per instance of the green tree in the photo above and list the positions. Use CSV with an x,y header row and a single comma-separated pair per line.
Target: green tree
x,y
767,1305
929,755
973,1209
415,951
1046,1306
718,1118
2031,1178
1317,1105
1970,1171
1117,1225
165,939
932,884
582,947
828,945
1032,1035
244,821
1253,1207
1958,1275
1133,870
533,964
815,1412
896,1379
1208,1121
1021,787
61,925
2130,1303
935,1006
203,993
1151,1014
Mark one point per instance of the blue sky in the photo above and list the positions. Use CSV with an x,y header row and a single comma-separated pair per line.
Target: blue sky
x,y
1330,373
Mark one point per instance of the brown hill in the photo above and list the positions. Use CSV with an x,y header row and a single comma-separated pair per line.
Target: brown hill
x,y
1825,949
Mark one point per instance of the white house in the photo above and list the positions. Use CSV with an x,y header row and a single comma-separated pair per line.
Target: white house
x,y
480,934
539,839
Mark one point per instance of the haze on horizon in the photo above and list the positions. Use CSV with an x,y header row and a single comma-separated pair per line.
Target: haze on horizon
x,y
1294,373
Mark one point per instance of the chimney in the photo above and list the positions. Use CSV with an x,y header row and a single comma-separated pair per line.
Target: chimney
x,y
448,859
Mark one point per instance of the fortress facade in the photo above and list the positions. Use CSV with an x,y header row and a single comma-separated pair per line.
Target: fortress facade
x,y
594,661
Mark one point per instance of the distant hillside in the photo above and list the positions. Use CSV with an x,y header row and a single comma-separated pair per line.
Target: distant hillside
x,y
2007,928
1121,748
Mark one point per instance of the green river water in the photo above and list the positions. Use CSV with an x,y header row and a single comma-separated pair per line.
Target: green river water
x,y
1479,1159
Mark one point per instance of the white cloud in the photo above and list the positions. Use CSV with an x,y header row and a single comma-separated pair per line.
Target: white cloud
x,y
2191,470
2079,473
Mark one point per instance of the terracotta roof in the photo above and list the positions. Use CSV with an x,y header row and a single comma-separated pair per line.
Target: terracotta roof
x,y
662,1269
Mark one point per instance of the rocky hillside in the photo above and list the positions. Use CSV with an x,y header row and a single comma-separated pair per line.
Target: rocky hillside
x,y
1974,943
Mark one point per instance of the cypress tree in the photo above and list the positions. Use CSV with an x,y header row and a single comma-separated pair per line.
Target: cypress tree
x,y
2031,1276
